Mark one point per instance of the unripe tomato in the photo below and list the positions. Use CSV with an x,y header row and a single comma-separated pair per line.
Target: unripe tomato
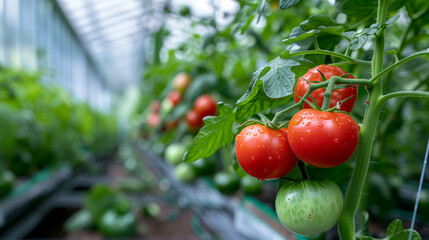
x,y
7,180
204,166
175,97
194,120
338,95
174,153
226,182
309,207
153,120
323,139
181,82
205,105
251,185
185,172
264,153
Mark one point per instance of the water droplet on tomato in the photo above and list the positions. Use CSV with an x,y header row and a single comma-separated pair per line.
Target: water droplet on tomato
x,y
324,116
255,134
320,124
270,158
308,124
260,179
297,120
253,158
241,145
252,127
263,145
261,131
302,139
308,131
259,146
336,140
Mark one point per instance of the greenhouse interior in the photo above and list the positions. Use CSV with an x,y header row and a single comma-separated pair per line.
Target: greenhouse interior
x,y
214,119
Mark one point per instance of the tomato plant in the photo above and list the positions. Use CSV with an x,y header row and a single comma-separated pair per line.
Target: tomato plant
x,y
116,224
264,153
194,120
332,137
226,182
185,172
153,120
174,153
309,207
250,185
181,82
314,75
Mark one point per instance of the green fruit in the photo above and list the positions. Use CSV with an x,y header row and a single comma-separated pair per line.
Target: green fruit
x,y
185,172
226,182
204,167
309,207
174,153
251,185
114,224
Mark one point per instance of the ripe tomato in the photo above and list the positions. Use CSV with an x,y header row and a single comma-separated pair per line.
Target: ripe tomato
x,y
194,120
205,105
175,97
153,119
181,82
323,139
264,153
309,207
338,95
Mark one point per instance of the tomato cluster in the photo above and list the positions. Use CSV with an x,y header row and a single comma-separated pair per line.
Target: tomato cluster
x,y
205,105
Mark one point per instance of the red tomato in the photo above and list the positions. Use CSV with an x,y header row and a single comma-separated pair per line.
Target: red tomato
x,y
194,120
337,95
155,106
175,97
181,82
264,153
171,125
323,139
153,119
205,105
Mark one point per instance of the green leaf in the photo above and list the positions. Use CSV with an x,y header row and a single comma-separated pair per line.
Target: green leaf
x,y
298,34
358,8
394,228
358,42
392,19
285,4
395,231
216,132
313,22
279,80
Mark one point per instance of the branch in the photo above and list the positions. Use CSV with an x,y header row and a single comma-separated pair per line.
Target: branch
x,y
421,94
287,54
377,77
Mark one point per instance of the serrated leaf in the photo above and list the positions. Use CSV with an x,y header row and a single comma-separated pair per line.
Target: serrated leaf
x,y
279,80
216,132
285,4
394,228
255,77
392,19
357,43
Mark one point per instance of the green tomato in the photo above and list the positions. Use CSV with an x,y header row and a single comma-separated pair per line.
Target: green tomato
x,y
114,224
309,207
174,153
7,180
226,182
251,185
185,172
204,167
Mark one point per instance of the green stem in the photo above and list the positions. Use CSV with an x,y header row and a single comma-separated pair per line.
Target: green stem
x,y
388,96
303,170
328,93
346,224
377,77
287,54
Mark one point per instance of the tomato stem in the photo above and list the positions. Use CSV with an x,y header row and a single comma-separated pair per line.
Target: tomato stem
x,y
328,93
330,53
303,170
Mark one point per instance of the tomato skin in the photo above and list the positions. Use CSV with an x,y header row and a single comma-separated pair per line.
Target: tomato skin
x,y
309,207
175,97
205,105
181,82
153,119
338,95
323,139
264,153
194,120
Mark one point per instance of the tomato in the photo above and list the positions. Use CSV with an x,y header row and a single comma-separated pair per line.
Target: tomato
x,y
204,166
323,139
153,120
264,153
338,95
116,224
205,105
251,185
7,180
171,125
309,207
181,82
226,182
175,97
155,106
185,172
194,120
174,153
